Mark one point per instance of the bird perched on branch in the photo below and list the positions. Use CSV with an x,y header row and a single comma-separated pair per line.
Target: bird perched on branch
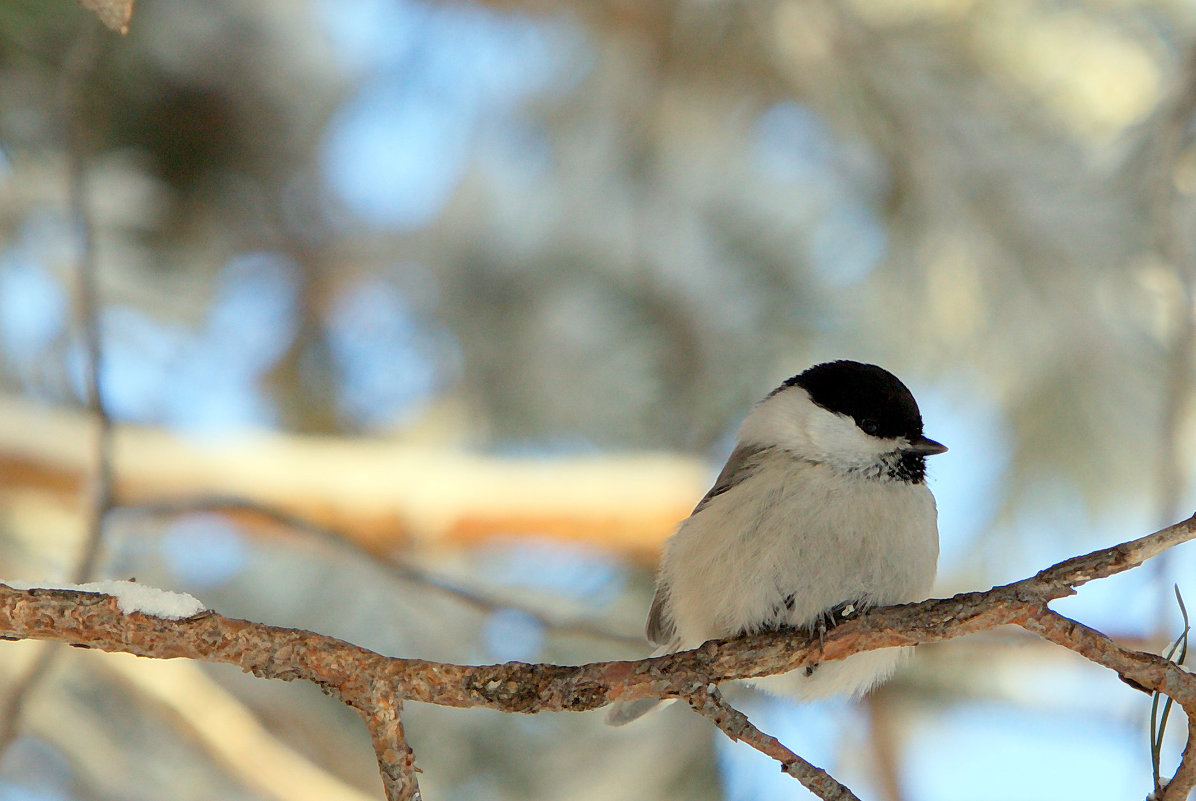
x,y
820,512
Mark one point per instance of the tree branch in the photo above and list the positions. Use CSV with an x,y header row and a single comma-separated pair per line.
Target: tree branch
x,y
1181,784
709,703
396,760
376,685
1148,670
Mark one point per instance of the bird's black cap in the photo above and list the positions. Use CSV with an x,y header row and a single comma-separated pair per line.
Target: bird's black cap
x,y
872,396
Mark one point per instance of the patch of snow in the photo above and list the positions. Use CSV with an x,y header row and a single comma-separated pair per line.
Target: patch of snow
x,y
130,597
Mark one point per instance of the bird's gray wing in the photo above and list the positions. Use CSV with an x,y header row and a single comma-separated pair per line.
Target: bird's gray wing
x,y
660,628
742,462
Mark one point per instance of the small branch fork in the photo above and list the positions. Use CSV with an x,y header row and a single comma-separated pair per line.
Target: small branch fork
x,y
377,685
396,760
710,704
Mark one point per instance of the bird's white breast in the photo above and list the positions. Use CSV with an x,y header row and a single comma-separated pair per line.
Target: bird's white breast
x,y
800,530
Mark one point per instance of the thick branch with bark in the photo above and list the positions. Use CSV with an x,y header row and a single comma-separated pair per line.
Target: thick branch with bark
x,y
378,685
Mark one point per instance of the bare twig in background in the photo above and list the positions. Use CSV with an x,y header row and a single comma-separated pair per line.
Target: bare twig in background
x,y
1168,147
79,65
209,715
883,740
1171,207
101,495
397,569
377,686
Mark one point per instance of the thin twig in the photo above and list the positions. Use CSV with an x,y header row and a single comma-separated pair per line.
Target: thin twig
x,y
397,569
1184,781
1171,236
20,691
1169,139
1147,670
396,760
101,500
884,744
708,702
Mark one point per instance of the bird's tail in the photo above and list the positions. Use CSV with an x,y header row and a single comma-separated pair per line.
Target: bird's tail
x,y
624,712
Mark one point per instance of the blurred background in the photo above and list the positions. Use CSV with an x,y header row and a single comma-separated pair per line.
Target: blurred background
x,y
421,323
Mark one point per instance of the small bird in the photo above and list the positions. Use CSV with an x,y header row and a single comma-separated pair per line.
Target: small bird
x,y
820,512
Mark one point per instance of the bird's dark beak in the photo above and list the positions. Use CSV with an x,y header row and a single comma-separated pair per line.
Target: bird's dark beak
x,y
924,446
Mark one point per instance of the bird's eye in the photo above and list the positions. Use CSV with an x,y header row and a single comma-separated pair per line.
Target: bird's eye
x,y
869,426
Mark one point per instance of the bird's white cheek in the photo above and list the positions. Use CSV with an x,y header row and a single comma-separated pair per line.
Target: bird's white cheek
x,y
836,439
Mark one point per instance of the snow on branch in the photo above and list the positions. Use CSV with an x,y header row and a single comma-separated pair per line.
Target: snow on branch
x,y
130,597
377,685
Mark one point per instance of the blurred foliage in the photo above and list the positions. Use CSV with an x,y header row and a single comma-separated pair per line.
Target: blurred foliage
x,y
646,217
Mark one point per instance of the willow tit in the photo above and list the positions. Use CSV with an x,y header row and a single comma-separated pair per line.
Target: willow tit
x,y
821,512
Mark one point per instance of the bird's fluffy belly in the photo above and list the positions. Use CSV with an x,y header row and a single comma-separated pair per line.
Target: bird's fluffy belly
x,y
854,676
864,540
